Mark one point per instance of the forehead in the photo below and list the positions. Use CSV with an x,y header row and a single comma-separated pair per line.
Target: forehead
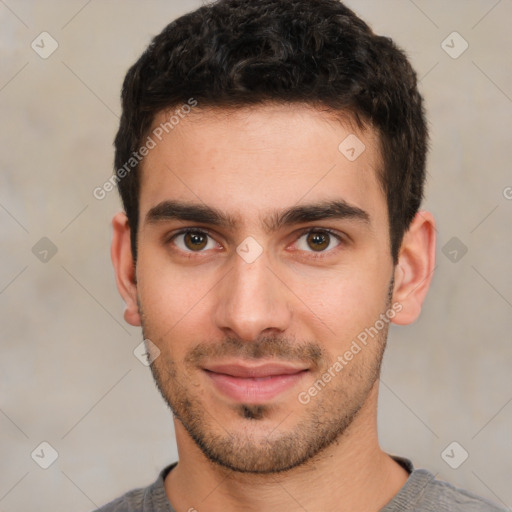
x,y
252,160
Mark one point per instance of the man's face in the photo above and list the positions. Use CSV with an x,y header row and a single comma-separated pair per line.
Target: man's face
x,y
253,306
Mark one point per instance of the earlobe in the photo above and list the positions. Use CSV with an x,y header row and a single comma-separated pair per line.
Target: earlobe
x,y
413,272
124,267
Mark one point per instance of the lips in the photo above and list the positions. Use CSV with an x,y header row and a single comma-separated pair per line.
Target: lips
x,y
254,384
264,370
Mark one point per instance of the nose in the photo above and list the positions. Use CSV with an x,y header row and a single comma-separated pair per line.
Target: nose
x,y
252,301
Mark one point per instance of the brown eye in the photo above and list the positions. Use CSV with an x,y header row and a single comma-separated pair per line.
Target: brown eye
x,y
193,241
318,240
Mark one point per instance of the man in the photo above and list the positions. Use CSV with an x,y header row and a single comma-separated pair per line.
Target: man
x,y
271,162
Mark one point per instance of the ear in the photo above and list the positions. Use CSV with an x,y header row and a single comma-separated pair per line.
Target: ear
x,y
413,272
124,267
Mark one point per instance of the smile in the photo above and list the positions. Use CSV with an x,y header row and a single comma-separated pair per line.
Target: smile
x,y
254,384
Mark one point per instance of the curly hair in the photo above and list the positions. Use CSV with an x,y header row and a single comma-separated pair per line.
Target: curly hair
x,y
237,53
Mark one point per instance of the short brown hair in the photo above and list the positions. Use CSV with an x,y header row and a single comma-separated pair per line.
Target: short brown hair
x,y
236,53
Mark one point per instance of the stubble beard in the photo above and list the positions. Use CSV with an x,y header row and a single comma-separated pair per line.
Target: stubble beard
x,y
325,418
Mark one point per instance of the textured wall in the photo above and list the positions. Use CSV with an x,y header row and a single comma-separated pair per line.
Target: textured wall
x,y
67,372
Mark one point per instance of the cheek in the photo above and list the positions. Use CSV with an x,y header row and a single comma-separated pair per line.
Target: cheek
x,y
343,303
172,299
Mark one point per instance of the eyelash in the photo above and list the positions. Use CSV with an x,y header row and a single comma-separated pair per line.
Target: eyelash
x,y
313,254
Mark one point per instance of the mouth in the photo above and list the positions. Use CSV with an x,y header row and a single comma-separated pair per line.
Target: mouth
x,y
254,384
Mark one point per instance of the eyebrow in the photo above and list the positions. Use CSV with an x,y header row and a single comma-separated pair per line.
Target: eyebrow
x,y
203,214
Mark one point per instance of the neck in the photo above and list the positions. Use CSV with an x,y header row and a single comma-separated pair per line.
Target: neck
x,y
353,474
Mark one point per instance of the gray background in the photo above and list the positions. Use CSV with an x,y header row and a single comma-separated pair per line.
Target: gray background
x,y
67,371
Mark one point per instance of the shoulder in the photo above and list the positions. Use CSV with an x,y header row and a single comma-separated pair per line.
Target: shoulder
x,y
444,496
144,499
423,493
129,502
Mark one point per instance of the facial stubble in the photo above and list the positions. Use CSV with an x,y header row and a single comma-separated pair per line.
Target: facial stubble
x,y
324,419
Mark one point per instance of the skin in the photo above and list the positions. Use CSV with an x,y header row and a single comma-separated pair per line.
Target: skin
x,y
302,301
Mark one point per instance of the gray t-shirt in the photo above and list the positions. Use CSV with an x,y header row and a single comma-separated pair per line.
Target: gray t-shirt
x,y
421,493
